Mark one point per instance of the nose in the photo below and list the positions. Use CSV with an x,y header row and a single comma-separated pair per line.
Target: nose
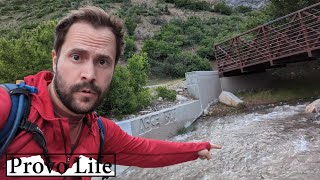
x,y
88,72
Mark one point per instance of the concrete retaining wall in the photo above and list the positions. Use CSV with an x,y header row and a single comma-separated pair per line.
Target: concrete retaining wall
x,y
204,85
165,123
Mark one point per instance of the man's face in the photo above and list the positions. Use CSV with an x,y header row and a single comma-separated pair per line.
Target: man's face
x,y
84,68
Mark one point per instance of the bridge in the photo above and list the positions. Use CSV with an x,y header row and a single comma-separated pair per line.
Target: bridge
x,y
292,38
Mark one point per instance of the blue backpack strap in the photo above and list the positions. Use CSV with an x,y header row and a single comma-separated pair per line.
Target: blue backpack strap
x,y
19,100
20,109
102,132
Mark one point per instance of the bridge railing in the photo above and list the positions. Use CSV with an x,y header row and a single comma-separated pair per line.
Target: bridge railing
x,y
296,33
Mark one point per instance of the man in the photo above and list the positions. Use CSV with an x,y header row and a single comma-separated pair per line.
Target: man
x,y
88,43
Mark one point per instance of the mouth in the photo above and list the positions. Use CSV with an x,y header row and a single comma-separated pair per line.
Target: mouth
x,y
88,91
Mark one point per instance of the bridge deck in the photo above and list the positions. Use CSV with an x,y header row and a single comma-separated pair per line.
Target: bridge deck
x,y
292,38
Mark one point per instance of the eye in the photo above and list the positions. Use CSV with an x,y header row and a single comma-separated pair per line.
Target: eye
x,y
75,57
103,62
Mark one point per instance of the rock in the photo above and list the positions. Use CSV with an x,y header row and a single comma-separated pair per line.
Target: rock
x,y
144,112
179,90
181,98
205,112
229,99
314,107
255,4
160,99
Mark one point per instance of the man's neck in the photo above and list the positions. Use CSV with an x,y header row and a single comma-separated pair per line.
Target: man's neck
x,y
60,109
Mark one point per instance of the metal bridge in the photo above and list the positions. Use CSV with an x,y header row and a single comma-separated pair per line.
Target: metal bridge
x,y
292,38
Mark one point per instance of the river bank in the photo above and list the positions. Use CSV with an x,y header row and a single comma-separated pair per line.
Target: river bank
x,y
279,142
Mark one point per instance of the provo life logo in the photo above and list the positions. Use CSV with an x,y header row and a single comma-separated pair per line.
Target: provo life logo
x,y
83,166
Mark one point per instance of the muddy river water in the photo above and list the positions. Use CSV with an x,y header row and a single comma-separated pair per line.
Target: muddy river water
x,y
279,142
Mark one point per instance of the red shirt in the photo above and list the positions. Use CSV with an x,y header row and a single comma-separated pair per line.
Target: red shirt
x,y
129,150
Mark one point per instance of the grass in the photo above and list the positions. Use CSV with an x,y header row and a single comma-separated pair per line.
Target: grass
x,y
288,92
169,81
186,130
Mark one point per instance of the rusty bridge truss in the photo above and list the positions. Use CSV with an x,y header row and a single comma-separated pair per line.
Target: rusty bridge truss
x,y
292,38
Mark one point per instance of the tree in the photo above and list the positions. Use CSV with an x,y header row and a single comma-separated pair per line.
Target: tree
x,y
284,7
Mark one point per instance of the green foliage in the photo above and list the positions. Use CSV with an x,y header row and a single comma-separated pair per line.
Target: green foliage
x,y
243,9
186,62
130,48
172,61
130,10
139,68
195,5
27,54
257,18
127,94
159,50
223,8
185,130
165,93
283,7
131,24
206,52
166,50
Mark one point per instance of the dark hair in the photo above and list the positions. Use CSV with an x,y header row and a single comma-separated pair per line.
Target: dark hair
x,y
96,17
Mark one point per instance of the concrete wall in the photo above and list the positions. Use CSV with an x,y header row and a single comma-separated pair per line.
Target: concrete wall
x,y
204,85
246,82
165,123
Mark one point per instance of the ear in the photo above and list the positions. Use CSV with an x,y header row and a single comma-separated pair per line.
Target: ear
x,y
54,60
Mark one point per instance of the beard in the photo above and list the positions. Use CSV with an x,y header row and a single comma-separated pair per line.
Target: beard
x,y
66,95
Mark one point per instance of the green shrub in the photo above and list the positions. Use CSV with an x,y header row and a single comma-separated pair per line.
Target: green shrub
x,y
185,130
27,54
130,10
195,5
167,49
159,50
280,8
243,9
131,24
130,48
206,52
187,62
223,8
256,18
127,93
139,68
166,93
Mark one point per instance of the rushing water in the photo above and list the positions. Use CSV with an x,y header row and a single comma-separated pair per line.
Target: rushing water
x,y
281,142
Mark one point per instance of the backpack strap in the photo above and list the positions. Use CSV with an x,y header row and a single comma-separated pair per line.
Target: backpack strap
x,y
19,100
102,132
20,109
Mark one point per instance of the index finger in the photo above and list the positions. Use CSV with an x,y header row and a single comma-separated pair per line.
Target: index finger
x,y
216,146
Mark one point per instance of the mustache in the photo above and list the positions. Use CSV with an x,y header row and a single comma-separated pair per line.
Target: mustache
x,y
92,87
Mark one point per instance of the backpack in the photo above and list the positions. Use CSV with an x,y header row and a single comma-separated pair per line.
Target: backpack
x,y
18,120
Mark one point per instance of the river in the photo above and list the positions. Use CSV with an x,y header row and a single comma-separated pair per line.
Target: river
x,y
279,142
